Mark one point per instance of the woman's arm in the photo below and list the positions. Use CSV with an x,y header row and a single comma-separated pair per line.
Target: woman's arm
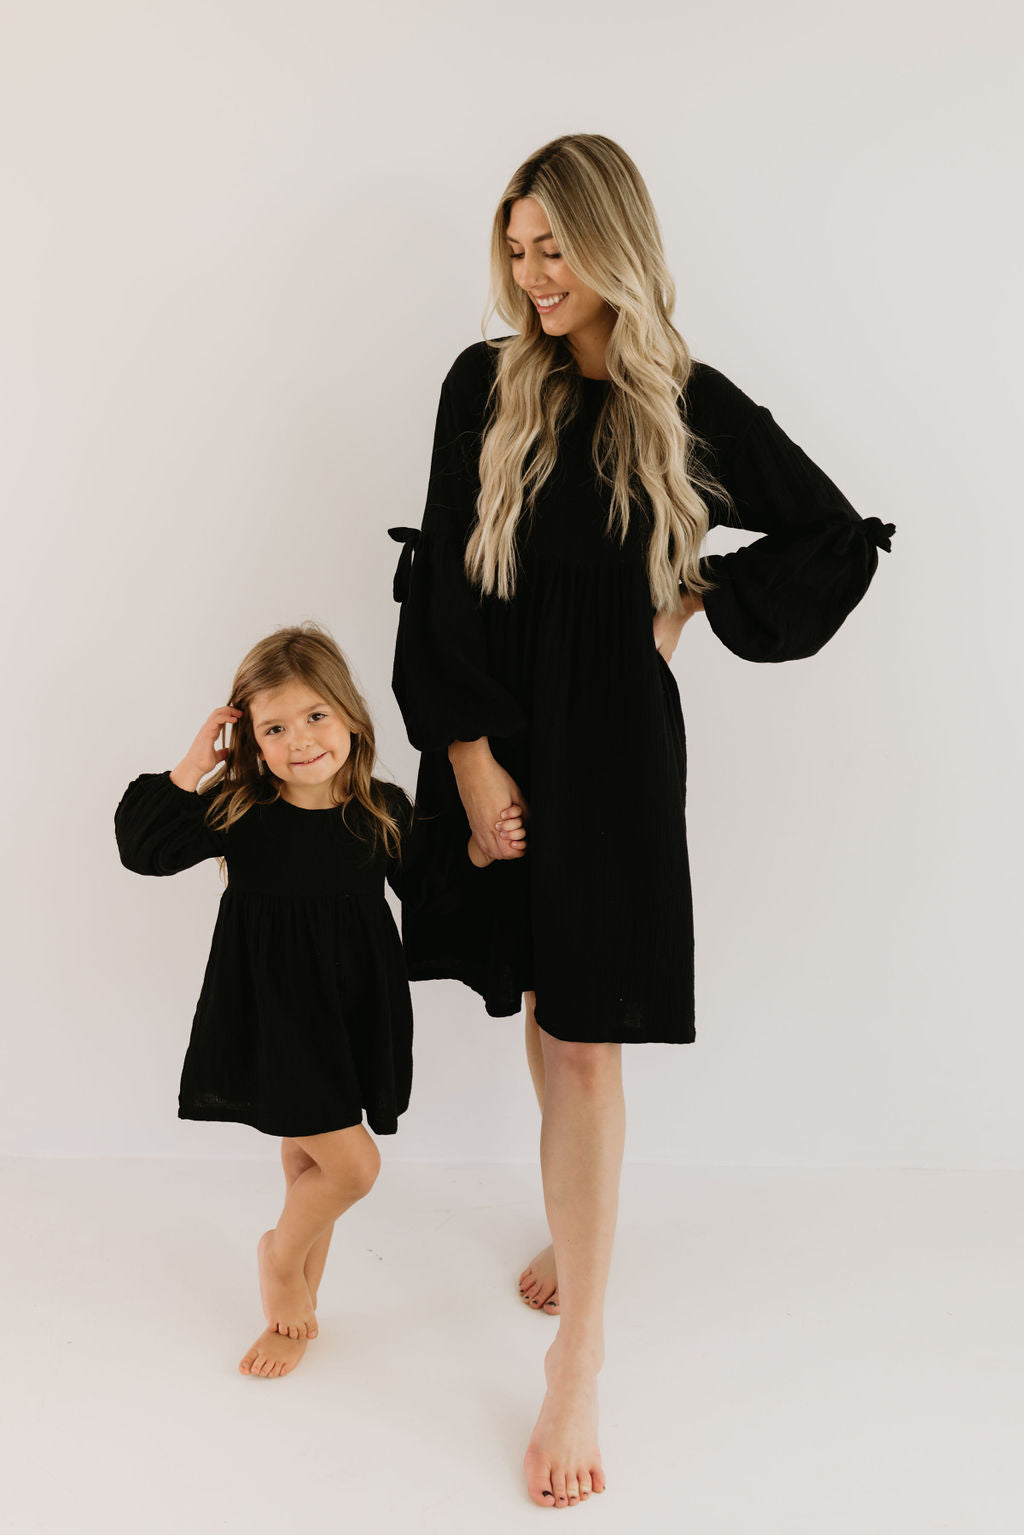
x,y
442,679
783,596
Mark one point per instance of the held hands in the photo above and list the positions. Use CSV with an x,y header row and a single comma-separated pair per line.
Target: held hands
x,y
511,833
203,755
494,804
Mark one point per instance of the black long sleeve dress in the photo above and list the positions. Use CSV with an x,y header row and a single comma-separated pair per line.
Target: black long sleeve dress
x,y
304,1021
581,709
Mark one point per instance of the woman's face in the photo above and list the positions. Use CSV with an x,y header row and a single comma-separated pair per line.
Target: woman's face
x,y
566,306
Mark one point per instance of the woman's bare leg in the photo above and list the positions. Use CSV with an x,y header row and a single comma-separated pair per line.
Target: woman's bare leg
x,y
273,1354
581,1145
538,1283
534,1048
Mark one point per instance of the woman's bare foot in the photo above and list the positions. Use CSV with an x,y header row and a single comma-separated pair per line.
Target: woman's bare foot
x,y
563,1462
538,1283
272,1355
287,1303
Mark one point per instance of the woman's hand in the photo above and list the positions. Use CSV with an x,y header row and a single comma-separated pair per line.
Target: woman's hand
x,y
669,626
203,755
491,799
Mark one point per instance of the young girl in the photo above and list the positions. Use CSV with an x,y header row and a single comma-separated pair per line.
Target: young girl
x,y
304,1023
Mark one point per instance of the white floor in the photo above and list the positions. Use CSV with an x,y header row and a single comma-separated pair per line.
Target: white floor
x,y
830,1352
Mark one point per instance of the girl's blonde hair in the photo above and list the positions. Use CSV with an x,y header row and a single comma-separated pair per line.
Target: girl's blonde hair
x,y
602,218
303,653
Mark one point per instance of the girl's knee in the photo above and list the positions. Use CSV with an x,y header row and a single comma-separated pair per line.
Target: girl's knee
x,y
353,1169
365,1168
294,1160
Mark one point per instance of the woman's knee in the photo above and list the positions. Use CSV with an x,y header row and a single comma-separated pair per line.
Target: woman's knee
x,y
588,1066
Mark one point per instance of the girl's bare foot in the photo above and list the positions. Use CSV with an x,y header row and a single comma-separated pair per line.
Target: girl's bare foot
x,y
272,1355
538,1283
287,1303
563,1462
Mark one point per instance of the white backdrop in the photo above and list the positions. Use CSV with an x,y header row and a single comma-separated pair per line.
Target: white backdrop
x,y
243,242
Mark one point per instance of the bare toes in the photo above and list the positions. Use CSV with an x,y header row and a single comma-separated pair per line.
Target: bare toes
x,y
558,1487
538,1485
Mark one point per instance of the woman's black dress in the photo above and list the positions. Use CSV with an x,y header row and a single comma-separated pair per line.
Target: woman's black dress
x,y
566,682
305,1020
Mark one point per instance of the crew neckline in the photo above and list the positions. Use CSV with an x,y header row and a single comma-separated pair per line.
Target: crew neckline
x,y
310,809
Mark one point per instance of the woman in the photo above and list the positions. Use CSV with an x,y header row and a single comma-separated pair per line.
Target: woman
x,y
577,467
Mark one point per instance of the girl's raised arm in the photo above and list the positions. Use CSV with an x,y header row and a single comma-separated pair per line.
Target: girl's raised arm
x,y
160,824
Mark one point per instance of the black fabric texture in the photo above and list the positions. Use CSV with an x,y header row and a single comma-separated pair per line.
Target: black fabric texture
x,y
582,710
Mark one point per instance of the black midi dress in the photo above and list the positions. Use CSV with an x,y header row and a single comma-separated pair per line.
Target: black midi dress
x,y
304,1022
579,706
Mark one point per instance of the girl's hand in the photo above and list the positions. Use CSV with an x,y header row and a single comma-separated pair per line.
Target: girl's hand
x,y
486,790
669,626
203,755
510,829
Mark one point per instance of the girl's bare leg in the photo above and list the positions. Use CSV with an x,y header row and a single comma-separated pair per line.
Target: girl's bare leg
x,y
538,1283
344,1167
582,1139
273,1354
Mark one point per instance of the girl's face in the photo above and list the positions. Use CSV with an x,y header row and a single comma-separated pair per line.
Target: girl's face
x,y
303,740
567,307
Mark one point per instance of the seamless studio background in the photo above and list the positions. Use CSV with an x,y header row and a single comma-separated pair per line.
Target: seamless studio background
x,y
243,244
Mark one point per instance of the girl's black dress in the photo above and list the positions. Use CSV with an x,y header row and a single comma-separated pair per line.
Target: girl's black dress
x,y
304,1022
566,682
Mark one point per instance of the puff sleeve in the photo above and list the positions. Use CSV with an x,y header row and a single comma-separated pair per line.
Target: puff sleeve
x,y
441,678
784,596
161,829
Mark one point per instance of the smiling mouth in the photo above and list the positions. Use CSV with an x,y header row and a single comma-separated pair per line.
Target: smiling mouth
x,y
550,301
308,761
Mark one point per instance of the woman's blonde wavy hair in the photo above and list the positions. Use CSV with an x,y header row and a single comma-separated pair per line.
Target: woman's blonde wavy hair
x,y
303,653
602,218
